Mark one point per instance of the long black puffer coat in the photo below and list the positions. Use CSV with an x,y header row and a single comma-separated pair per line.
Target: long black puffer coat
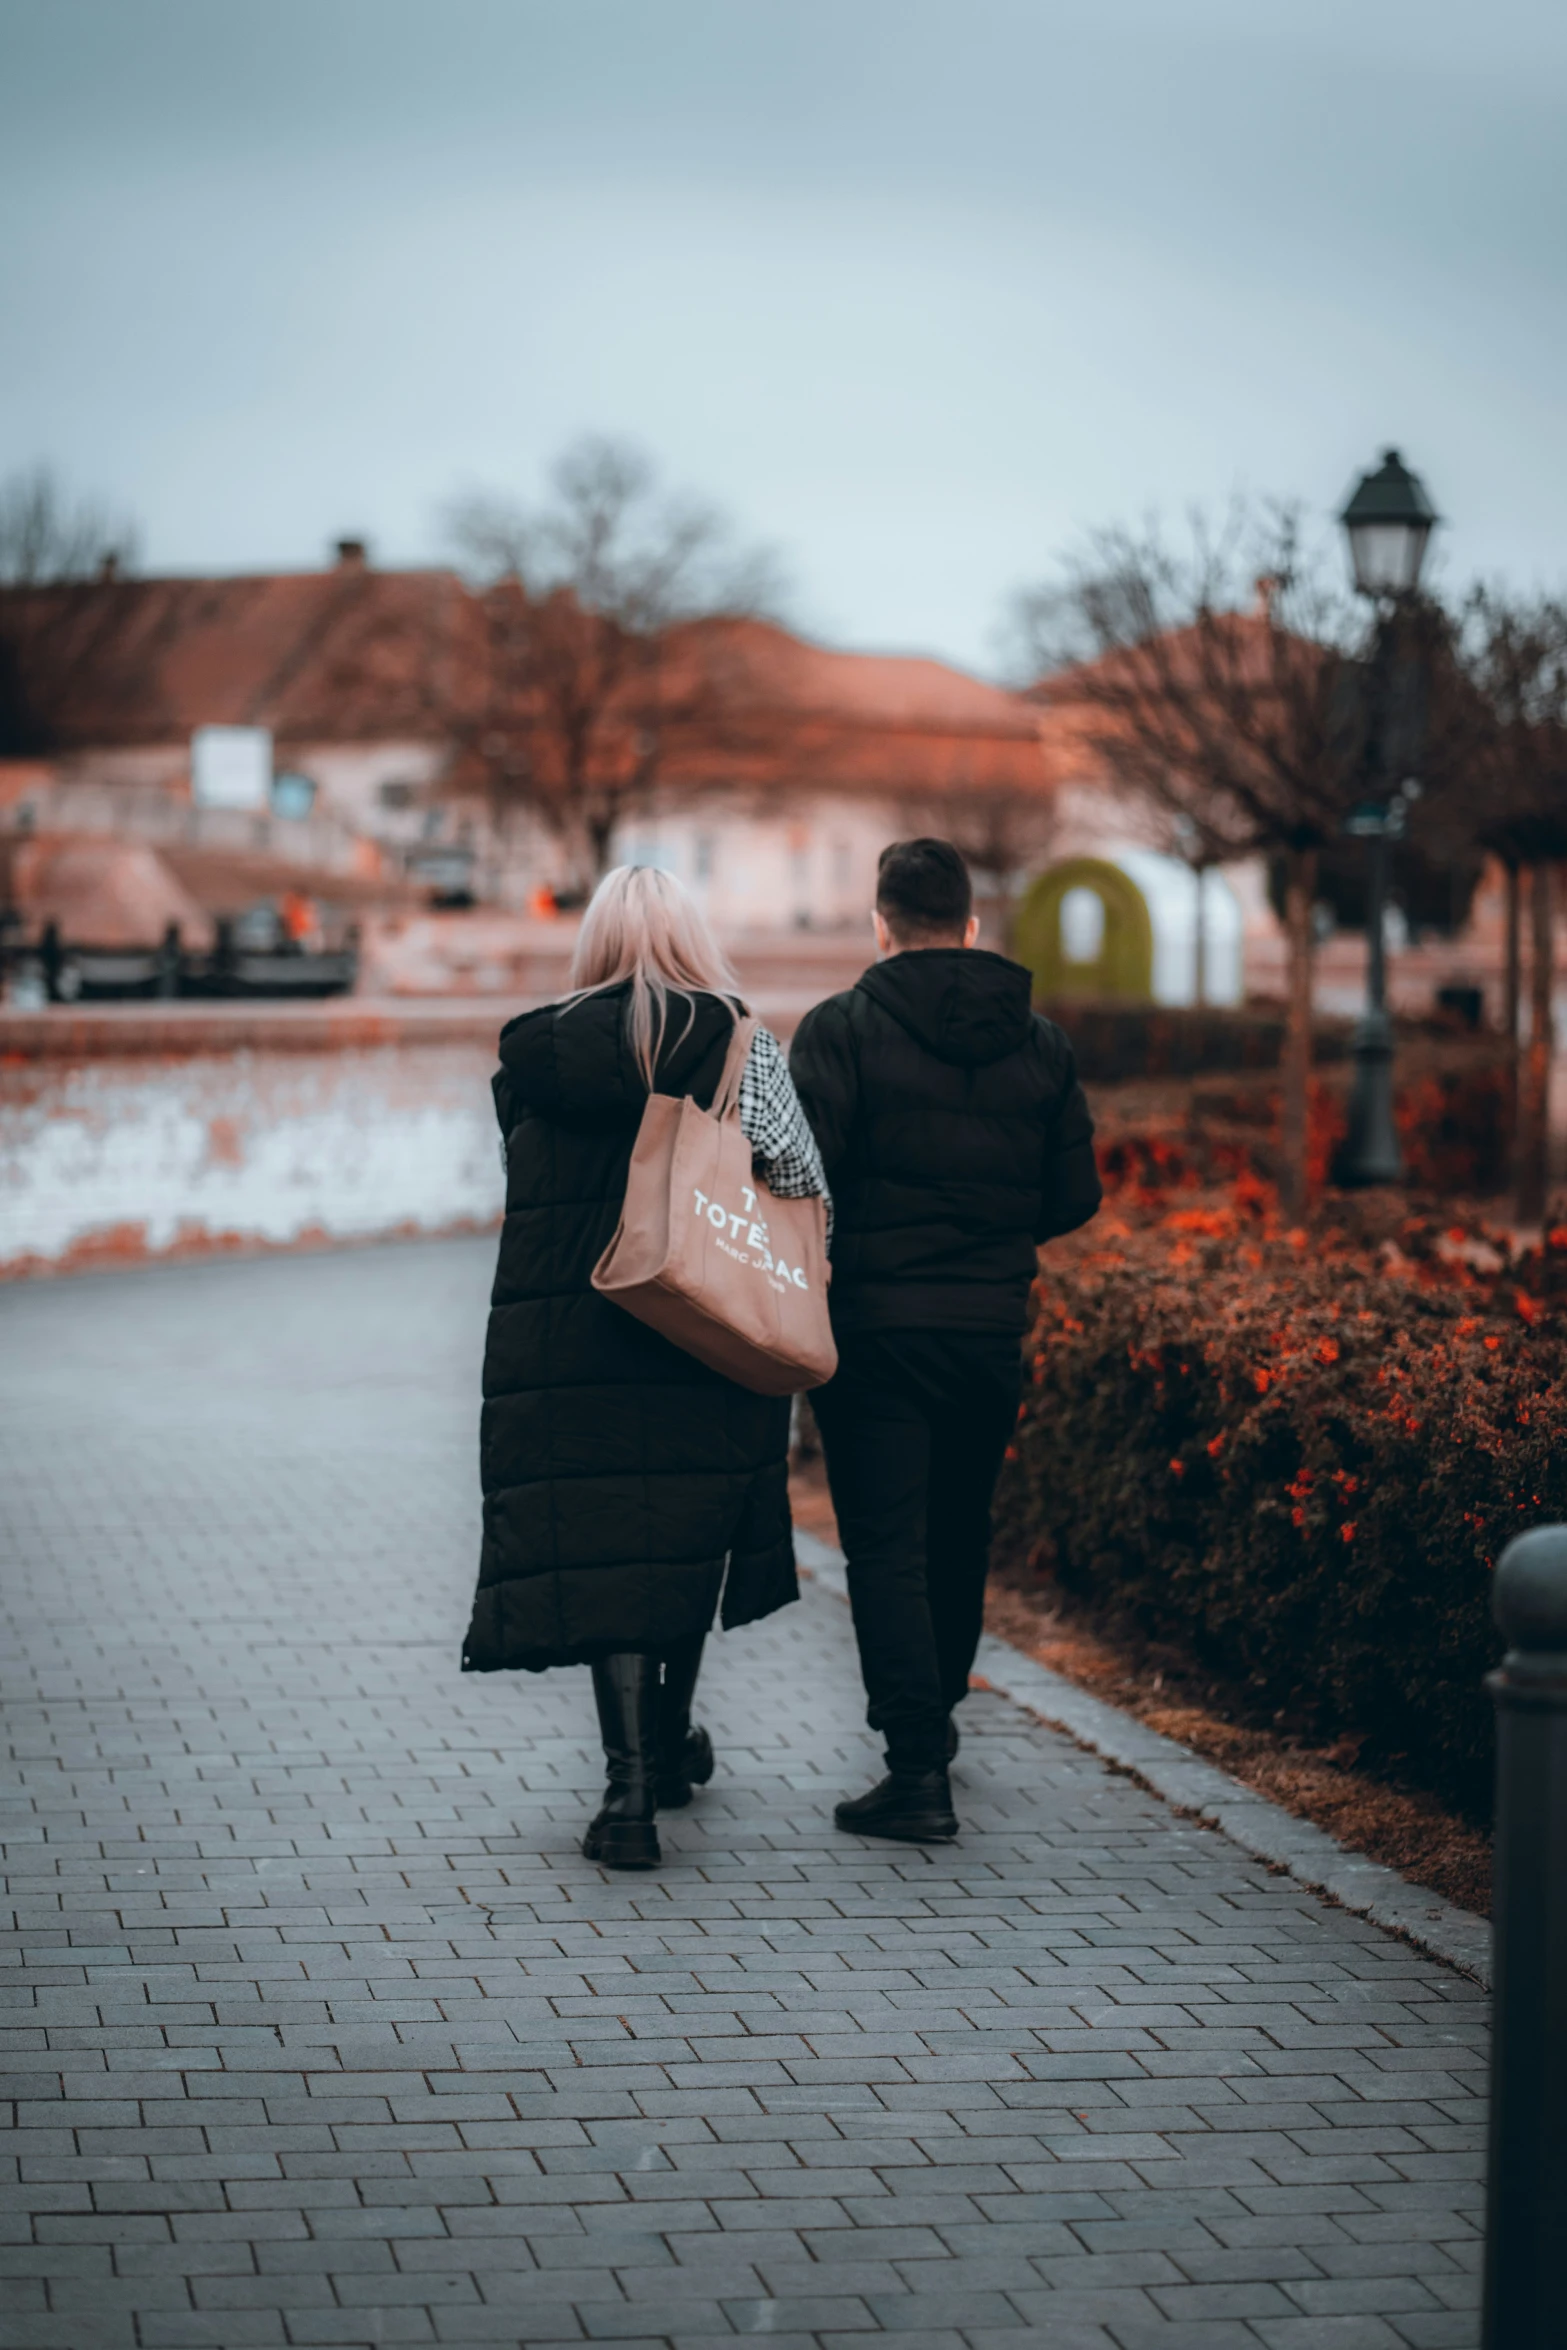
x,y
619,1474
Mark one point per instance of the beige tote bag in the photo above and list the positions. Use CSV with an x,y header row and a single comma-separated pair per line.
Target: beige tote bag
x,y
706,1255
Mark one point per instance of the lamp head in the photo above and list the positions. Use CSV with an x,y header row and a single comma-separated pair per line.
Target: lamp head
x,y
1389,521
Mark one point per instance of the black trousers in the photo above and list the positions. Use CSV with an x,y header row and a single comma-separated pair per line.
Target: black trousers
x,y
914,1426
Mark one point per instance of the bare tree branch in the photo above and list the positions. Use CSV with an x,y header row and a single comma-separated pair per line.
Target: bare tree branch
x,y
46,539
593,669
58,564
1513,654
1220,682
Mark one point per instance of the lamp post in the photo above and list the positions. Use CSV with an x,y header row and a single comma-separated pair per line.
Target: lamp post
x,y
1388,522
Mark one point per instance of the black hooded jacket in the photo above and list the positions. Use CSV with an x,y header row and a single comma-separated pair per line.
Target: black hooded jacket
x,y
621,1476
955,1136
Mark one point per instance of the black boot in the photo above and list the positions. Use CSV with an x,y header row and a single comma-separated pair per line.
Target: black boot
x,y
915,1806
623,1835
685,1754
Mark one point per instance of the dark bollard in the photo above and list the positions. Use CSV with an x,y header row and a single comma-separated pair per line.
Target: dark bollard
x,y
1526,2196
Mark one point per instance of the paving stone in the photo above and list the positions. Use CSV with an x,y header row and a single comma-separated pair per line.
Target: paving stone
x,y
323,2032
808,2315
1438,2330
203,2329
1327,2333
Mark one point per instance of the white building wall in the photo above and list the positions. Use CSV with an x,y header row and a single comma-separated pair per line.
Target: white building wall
x,y
353,781
809,864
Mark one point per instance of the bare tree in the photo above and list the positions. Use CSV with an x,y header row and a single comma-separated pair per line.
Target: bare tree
x,y
46,538
1002,830
1514,654
597,662
1224,684
59,559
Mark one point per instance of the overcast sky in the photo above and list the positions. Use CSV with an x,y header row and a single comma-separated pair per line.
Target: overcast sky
x,y
918,289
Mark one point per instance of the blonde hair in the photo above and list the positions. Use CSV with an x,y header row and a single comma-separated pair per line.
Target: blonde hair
x,y
643,926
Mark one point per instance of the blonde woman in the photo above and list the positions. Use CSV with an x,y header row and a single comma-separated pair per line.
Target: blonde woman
x,y
621,1477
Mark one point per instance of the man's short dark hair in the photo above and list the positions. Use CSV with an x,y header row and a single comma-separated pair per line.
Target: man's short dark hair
x,y
923,889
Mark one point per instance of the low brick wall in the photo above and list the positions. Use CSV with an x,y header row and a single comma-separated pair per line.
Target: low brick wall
x,y
149,1130
139,1131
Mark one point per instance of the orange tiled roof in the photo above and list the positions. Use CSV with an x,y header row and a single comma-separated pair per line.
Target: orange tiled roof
x,y
1077,709
901,691
793,712
299,652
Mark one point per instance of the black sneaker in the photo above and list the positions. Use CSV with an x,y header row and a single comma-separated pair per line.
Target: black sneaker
x,y
913,1806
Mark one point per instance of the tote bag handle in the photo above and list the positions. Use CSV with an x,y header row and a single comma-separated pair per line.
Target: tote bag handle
x,y
726,1097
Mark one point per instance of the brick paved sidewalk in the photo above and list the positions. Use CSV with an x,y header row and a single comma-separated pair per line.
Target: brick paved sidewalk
x,y
321,2030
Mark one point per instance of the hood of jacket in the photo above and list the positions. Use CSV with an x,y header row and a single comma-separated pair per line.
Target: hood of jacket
x,y
574,1060
962,1004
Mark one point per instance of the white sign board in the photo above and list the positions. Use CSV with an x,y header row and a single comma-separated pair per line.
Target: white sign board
x,y
231,767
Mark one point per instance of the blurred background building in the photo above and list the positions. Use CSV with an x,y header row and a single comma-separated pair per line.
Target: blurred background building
x,y
308,782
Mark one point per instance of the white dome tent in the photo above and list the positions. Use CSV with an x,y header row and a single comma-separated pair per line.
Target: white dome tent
x,y
1171,892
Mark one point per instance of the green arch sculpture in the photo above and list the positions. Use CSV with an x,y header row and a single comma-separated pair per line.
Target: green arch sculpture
x,y
1123,964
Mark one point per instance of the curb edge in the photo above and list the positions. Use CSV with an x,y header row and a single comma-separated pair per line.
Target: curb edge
x,y
1260,1827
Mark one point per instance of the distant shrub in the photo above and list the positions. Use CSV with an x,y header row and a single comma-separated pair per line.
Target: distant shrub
x,y
1114,1041
1455,1125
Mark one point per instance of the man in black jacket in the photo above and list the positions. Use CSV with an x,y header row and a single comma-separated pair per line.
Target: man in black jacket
x,y
956,1139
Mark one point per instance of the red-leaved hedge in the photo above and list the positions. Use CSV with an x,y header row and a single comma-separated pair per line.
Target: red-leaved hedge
x,y
1298,1465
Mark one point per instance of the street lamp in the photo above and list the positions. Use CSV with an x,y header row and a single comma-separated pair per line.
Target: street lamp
x,y
1388,522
